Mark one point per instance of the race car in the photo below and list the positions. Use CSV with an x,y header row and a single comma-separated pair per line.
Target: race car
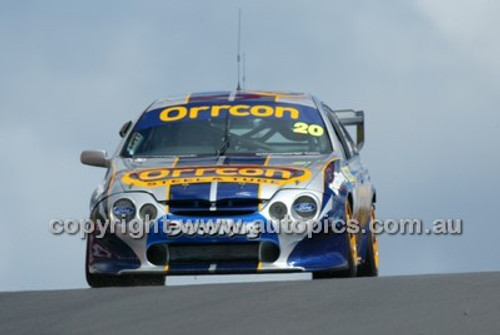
x,y
236,182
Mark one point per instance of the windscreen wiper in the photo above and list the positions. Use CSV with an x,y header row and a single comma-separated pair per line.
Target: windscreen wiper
x,y
226,143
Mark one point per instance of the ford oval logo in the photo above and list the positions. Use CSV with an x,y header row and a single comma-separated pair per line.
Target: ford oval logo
x,y
123,210
305,207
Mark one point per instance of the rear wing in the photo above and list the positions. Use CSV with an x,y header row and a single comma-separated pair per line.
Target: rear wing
x,y
350,117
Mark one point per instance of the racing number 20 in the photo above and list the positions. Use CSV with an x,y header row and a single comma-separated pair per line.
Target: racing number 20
x,y
311,129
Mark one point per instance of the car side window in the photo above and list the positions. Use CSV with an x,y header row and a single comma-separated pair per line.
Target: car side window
x,y
348,140
341,133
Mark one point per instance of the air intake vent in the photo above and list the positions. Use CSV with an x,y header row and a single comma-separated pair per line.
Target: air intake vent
x,y
180,253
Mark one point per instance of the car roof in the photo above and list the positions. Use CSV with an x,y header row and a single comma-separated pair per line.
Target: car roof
x,y
236,96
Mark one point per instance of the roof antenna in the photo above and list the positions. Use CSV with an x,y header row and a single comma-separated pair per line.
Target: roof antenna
x,y
238,58
244,79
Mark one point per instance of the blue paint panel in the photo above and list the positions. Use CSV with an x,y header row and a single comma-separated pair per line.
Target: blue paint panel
x,y
190,192
161,237
236,190
320,252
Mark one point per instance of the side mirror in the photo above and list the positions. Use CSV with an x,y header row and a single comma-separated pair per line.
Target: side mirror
x,y
124,129
95,158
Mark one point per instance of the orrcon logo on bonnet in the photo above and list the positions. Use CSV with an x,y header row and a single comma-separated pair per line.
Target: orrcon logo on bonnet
x,y
236,174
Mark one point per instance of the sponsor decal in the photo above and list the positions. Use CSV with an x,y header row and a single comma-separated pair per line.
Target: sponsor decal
x,y
308,129
256,174
123,210
209,228
176,113
305,207
347,173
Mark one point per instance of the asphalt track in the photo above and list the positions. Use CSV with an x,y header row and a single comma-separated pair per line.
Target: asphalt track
x,y
430,304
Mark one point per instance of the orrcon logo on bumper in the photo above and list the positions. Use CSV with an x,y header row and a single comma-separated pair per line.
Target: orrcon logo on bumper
x,y
234,174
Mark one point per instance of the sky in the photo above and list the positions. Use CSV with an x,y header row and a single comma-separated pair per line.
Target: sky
x,y
426,72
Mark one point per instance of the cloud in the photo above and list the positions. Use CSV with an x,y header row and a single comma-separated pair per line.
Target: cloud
x,y
471,25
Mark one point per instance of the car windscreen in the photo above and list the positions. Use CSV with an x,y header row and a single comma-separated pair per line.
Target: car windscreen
x,y
238,128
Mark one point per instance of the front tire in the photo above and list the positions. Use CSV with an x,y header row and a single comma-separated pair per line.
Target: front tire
x,y
351,254
369,268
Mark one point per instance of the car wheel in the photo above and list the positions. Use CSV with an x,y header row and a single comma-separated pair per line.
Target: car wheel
x,y
352,254
369,268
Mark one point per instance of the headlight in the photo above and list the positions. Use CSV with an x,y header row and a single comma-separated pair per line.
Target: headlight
x,y
305,207
278,210
148,212
124,209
